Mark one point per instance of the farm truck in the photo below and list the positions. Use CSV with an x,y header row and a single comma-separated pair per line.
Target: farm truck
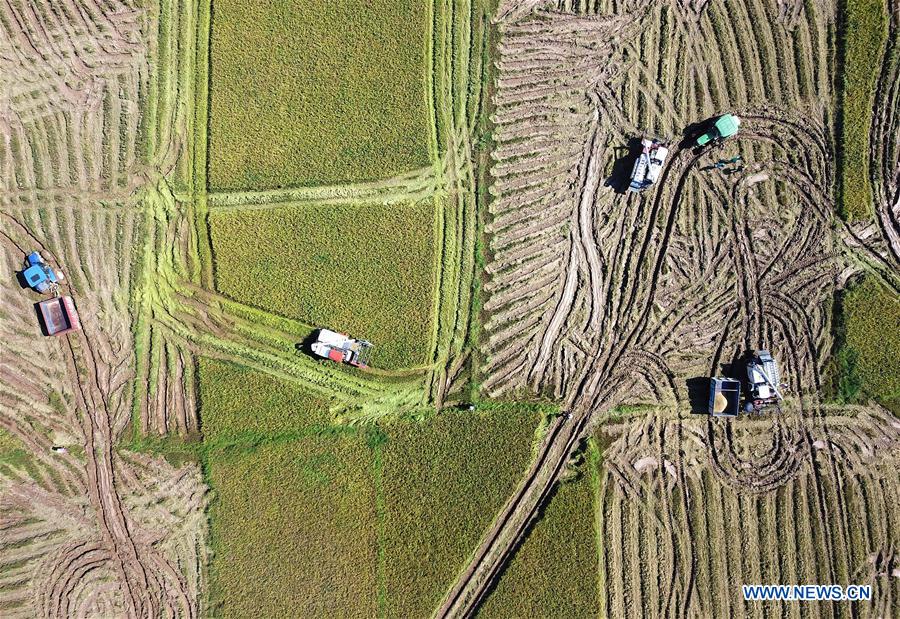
x,y
58,313
723,127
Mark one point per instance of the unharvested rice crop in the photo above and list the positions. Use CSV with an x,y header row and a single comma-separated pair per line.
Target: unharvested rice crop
x,y
239,403
293,530
871,318
554,571
865,25
366,270
443,482
12,451
306,92
293,520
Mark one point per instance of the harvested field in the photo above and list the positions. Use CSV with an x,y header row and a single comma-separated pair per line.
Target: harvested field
x,y
364,269
305,93
635,267
89,529
690,511
597,296
438,498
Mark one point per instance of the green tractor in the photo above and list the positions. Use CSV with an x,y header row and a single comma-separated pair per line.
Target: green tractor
x,y
725,126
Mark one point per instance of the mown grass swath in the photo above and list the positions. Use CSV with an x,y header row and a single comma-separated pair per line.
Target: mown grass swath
x,y
868,357
306,93
863,36
443,481
363,269
554,571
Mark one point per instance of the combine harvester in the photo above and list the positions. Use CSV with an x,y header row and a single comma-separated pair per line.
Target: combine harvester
x,y
58,313
648,164
724,126
764,382
341,348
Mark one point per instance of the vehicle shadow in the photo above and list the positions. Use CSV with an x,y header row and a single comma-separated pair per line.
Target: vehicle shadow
x,y
698,394
691,133
620,177
304,347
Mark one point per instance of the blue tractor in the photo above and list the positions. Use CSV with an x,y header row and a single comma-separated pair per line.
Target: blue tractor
x,y
40,276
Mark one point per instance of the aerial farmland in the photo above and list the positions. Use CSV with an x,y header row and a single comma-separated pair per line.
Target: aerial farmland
x,y
413,309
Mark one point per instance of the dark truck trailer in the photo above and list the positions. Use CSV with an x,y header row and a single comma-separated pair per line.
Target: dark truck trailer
x,y
59,315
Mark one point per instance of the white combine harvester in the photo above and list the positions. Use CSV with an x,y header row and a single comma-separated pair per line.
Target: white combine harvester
x,y
341,348
765,382
648,164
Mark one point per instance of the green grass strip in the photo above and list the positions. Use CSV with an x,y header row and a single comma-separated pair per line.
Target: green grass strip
x,y
864,30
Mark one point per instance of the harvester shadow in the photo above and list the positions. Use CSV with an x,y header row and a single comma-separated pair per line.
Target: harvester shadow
x,y
20,277
620,177
698,394
305,346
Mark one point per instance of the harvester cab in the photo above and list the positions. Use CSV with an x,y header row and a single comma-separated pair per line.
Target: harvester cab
x,y
724,126
341,348
39,276
764,381
648,164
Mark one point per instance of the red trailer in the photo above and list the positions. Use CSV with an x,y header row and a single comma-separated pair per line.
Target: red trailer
x,y
59,315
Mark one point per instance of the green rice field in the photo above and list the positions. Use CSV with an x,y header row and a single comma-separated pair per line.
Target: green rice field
x,y
308,93
871,323
865,31
563,539
356,522
444,480
366,270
